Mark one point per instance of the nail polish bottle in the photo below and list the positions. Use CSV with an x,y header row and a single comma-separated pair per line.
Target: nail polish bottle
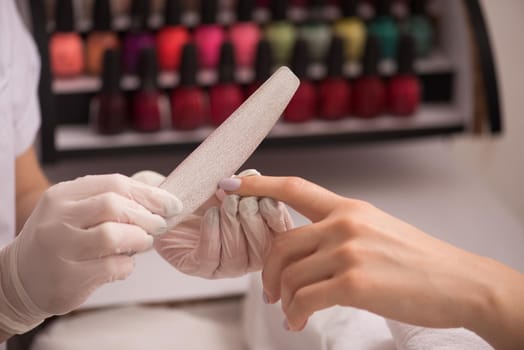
x,y
189,103
65,45
148,100
404,88
353,30
369,92
384,27
315,31
303,105
171,38
138,37
263,66
245,34
280,33
209,36
109,107
335,92
101,39
418,25
226,96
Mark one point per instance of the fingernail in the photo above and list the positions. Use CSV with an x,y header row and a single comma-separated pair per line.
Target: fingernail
x,y
173,206
265,298
161,229
231,184
285,325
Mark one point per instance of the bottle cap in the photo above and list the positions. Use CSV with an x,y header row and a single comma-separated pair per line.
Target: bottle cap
x,y
226,68
301,58
208,11
102,15
406,54
140,12
350,8
147,69
245,10
112,73
383,7
371,56
418,7
64,16
335,57
173,12
189,65
264,61
279,10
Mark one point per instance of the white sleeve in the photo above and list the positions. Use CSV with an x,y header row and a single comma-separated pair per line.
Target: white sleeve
x,y
24,78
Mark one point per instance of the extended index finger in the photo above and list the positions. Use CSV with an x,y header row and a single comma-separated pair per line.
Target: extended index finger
x,y
309,199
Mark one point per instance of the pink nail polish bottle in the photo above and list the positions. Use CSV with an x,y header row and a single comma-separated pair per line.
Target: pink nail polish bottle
x,y
245,34
65,45
209,36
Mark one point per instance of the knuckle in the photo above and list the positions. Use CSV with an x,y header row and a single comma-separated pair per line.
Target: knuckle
x,y
111,203
354,281
287,278
293,184
347,254
117,182
107,237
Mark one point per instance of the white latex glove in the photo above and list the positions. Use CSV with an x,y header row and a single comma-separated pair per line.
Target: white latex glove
x,y
78,237
228,236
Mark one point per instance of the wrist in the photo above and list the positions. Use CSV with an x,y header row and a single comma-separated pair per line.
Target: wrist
x,y
18,313
497,308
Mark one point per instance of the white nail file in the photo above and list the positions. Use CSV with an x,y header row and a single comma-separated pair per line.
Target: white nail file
x,y
224,151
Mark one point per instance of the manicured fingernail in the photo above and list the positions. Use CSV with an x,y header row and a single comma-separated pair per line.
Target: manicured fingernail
x,y
231,184
173,207
161,229
285,325
265,298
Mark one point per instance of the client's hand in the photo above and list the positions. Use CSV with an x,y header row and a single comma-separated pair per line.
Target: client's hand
x,y
227,237
354,254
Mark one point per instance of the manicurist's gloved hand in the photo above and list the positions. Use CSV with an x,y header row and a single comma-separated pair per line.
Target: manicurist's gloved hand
x,y
227,237
78,237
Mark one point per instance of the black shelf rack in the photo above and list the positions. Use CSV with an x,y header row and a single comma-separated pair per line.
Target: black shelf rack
x,y
65,132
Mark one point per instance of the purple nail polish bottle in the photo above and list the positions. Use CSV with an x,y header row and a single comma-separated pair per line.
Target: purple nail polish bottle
x,y
138,37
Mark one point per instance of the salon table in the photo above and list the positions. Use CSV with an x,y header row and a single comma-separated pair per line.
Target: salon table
x,y
420,181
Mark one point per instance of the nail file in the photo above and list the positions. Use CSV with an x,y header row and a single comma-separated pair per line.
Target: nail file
x,y
224,151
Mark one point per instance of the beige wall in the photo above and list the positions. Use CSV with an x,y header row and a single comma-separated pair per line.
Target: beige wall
x,y
501,160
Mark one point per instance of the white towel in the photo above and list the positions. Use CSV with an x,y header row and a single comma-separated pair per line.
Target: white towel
x,y
408,337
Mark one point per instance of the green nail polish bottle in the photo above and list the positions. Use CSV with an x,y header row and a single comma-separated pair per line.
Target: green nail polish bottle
x,y
384,27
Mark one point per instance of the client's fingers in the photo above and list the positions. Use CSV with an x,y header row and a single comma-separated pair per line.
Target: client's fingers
x,y
308,300
287,248
307,198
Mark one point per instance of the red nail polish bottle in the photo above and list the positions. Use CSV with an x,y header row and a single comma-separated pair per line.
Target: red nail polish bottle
x,y
369,91
404,88
209,36
263,66
226,96
109,108
171,38
147,110
245,34
189,103
65,45
303,106
335,92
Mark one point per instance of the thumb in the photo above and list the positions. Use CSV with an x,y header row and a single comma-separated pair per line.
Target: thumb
x,y
149,177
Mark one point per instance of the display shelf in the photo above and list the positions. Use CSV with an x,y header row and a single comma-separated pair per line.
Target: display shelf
x,y
431,119
437,62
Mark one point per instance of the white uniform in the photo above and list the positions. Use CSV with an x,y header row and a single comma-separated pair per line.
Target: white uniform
x,y
19,108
